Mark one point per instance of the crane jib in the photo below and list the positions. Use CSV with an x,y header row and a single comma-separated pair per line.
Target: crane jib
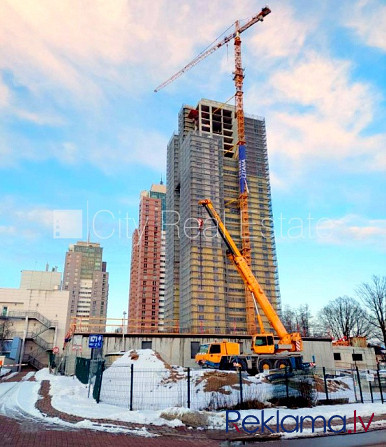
x,y
242,168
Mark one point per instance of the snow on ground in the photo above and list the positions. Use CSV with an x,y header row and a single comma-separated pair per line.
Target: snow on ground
x,y
4,371
5,387
160,397
158,385
19,398
28,376
69,395
10,376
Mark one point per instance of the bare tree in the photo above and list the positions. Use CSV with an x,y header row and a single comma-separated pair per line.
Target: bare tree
x,y
373,296
344,317
5,332
304,317
298,319
289,319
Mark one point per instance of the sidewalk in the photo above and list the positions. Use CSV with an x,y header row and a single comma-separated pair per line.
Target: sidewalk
x,y
26,434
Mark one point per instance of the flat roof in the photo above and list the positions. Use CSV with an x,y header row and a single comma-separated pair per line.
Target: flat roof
x,y
220,337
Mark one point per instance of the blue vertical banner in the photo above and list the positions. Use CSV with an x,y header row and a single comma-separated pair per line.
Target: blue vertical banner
x,y
242,168
15,348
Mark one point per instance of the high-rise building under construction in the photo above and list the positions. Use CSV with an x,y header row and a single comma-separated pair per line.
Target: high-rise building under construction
x,y
203,291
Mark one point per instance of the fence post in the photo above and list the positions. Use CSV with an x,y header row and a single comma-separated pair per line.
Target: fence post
x,y
371,389
380,384
325,383
359,383
188,387
89,377
286,382
241,388
131,385
100,382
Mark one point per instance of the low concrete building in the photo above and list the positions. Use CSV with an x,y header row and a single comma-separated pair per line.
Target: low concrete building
x,y
180,349
36,320
348,357
41,280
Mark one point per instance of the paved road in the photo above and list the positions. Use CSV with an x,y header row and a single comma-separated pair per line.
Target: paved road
x,y
375,438
15,433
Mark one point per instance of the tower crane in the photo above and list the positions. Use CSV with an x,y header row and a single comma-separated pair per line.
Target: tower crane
x,y
241,143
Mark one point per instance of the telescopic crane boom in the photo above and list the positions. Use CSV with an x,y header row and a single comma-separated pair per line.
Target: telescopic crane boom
x,y
243,186
291,342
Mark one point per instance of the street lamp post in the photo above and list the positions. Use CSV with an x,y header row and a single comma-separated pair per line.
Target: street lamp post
x,y
123,330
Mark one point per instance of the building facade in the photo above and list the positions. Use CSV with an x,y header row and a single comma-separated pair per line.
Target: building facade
x,y
41,280
87,280
33,318
147,274
204,292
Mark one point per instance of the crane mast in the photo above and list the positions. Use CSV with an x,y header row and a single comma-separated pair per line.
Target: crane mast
x,y
243,185
241,143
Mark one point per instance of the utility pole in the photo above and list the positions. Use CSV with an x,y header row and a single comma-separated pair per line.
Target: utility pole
x,y
123,330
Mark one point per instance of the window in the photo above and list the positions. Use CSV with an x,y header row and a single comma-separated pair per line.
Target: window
x,y
5,311
264,341
215,349
337,356
194,348
357,357
146,344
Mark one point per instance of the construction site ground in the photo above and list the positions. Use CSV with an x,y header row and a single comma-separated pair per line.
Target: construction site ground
x,y
25,430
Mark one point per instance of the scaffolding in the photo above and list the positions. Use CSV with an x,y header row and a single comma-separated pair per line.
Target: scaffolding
x,y
203,163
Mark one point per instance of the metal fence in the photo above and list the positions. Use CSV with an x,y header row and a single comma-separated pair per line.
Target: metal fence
x,y
151,389
139,389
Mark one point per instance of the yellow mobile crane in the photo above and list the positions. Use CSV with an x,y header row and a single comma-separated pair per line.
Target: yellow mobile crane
x,y
266,352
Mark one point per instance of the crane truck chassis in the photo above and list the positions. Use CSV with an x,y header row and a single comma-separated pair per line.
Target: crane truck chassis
x,y
226,355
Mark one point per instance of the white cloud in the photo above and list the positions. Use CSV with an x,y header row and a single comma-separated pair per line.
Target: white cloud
x,y
353,229
367,18
4,94
7,230
315,111
21,220
40,216
282,35
78,45
40,119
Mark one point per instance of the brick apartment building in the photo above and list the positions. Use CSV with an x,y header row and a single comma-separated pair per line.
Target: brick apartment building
x,y
147,274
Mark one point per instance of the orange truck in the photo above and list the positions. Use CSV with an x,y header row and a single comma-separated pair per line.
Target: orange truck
x,y
266,351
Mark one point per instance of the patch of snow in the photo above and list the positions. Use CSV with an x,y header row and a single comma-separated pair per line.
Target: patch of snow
x,y
5,387
69,395
28,376
142,358
43,374
158,385
20,397
4,371
10,376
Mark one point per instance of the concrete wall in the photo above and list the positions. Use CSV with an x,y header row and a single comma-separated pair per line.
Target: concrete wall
x,y
368,361
35,279
176,348
52,304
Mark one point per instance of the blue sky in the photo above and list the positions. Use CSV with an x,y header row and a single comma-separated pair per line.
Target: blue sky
x,y
81,128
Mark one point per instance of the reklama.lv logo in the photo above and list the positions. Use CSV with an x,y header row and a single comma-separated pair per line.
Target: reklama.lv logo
x,y
291,424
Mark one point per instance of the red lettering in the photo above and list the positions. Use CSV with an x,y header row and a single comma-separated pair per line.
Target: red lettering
x,y
355,421
368,425
236,427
